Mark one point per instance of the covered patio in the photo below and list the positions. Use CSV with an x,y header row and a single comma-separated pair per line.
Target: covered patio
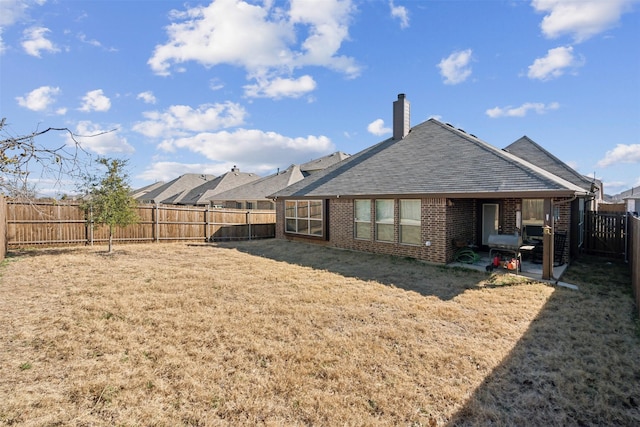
x,y
527,269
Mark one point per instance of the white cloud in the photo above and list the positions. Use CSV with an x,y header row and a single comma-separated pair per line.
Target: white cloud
x,y
377,128
35,41
39,99
252,146
166,171
215,84
522,110
12,11
147,97
623,153
455,68
581,19
281,88
262,39
554,64
93,42
93,137
95,100
401,13
182,120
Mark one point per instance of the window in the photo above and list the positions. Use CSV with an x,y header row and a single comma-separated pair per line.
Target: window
x,y
362,219
303,217
384,220
532,212
410,222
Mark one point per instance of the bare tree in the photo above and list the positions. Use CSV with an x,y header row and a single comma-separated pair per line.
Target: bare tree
x,y
22,155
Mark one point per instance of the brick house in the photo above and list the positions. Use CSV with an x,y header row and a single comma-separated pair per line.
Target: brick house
x,y
423,190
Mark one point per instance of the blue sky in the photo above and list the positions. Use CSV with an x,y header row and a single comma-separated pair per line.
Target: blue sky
x,y
201,86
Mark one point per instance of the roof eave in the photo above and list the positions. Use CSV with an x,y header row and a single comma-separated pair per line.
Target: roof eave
x,y
531,194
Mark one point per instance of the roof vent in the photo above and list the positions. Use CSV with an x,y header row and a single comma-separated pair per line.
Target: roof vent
x,y
461,130
449,124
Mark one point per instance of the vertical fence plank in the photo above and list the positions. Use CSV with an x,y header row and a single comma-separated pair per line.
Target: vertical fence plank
x,y
3,227
605,233
30,224
634,256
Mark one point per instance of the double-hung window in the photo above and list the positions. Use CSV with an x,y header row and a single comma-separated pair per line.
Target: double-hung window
x,y
410,222
384,220
304,217
362,219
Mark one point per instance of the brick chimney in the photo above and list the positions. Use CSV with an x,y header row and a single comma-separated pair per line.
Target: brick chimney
x,y
401,119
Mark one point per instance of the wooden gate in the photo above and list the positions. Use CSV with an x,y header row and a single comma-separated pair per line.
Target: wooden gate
x,y
604,233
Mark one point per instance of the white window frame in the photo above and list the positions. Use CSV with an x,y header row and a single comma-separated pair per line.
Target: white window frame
x,y
385,222
407,224
364,219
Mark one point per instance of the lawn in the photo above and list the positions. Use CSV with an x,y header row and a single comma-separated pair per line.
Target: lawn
x,y
281,334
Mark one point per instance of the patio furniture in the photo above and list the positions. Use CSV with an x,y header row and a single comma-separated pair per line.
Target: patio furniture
x,y
559,241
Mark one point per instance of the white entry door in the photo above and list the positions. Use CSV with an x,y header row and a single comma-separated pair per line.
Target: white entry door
x,y
490,221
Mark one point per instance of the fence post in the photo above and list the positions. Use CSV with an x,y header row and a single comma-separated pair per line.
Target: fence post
x,y
156,225
90,225
249,223
206,223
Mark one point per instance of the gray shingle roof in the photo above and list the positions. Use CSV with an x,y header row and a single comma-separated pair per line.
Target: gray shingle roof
x,y
433,159
632,193
175,187
263,187
323,162
139,192
530,151
203,193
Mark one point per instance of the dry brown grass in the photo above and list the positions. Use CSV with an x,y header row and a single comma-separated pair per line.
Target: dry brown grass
x,y
277,333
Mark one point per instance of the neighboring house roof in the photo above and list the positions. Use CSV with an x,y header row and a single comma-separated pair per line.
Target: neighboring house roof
x,y
530,151
633,193
175,187
137,193
202,194
433,159
260,189
323,162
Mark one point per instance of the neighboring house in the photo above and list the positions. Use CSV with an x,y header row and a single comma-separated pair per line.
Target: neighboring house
x,y
139,192
420,192
527,149
253,195
202,194
631,199
322,163
174,188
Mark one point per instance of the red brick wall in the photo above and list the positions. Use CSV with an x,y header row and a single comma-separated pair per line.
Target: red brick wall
x,y
462,225
444,221
563,223
341,231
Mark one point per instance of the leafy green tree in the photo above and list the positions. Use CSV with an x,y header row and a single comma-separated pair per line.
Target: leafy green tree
x,y
107,197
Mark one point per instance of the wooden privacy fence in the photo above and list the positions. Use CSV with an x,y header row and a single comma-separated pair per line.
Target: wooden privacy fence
x,y
634,257
30,224
3,228
604,233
